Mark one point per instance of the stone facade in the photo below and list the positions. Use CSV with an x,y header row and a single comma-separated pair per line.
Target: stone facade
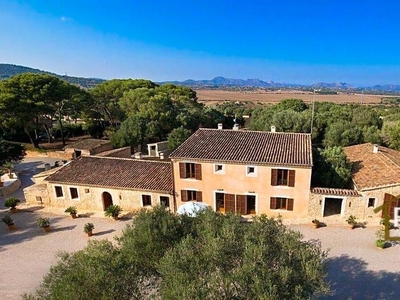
x,y
90,198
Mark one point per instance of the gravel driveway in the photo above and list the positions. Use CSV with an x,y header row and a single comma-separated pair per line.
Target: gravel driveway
x,y
357,269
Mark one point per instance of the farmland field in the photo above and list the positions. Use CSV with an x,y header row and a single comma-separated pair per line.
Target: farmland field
x,y
212,97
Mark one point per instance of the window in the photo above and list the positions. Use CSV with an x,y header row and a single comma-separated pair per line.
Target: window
x,y
281,203
190,195
283,177
59,191
164,200
251,171
146,200
371,202
219,169
190,170
74,193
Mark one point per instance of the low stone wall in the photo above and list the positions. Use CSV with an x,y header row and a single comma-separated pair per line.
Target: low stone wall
x,y
55,154
10,185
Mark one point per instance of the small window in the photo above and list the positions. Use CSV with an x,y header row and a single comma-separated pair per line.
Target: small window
x,y
146,200
59,191
251,171
87,191
164,201
371,202
219,169
74,193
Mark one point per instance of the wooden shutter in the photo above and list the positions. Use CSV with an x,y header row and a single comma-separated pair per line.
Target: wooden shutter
x,y
274,176
197,171
292,174
290,202
229,203
391,204
183,195
241,204
199,196
182,170
272,204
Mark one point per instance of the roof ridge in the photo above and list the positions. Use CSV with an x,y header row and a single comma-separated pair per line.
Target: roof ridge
x,y
257,131
124,158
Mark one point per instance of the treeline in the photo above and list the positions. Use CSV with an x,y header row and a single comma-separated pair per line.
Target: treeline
x,y
136,112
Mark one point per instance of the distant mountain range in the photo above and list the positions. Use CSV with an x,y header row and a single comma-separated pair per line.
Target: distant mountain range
x,y
8,70
230,82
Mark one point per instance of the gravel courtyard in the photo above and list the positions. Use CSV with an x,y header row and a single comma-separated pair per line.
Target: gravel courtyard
x,y
357,269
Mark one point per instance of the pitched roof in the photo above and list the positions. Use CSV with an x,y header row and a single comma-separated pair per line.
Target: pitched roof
x,y
87,144
334,192
116,173
239,146
372,170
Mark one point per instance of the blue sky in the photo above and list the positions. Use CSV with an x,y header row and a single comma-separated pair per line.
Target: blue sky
x,y
303,42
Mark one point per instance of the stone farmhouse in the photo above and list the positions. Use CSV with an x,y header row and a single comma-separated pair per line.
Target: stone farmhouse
x,y
92,183
246,172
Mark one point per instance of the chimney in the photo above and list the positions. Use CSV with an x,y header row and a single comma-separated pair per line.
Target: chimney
x,y
273,129
138,155
161,155
236,127
220,126
375,149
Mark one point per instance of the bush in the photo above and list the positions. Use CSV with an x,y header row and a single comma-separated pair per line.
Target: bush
x,y
71,210
88,227
113,211
11,202
43,222
7,220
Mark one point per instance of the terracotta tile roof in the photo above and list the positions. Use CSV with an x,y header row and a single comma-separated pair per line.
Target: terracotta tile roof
x,y
116,173
87,144
247,147
372,170
335,192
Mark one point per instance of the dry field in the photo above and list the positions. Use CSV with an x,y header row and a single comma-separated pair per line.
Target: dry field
x,y
212,97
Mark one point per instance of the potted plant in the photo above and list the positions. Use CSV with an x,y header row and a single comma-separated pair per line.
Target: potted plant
x,y
43,223
380,239
352,221
316,223
113,211
88,229
11,203
9,166
8,221
72,211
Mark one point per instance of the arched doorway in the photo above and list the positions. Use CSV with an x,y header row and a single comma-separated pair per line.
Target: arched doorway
x,y
107,200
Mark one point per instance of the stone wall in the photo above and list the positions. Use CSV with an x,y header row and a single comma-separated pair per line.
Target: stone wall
x,y
91,198
353,205
37,194
9,185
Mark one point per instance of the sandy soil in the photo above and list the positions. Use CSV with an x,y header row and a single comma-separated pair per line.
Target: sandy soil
x,y
212,97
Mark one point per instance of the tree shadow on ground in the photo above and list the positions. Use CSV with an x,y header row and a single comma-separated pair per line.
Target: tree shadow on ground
x,y
350,279
66,228
103,232
27,228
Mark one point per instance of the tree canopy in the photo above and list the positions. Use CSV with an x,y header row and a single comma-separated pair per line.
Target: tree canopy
x,y
31,101
211,256
11,152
